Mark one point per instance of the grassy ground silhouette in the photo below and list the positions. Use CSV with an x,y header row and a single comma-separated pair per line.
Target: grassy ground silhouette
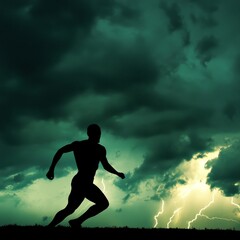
x,y
36,232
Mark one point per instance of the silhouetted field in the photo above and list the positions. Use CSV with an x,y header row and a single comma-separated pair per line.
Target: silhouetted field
x,y
13,232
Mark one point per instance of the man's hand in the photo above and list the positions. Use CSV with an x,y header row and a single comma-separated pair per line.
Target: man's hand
x,y
121,175
50,174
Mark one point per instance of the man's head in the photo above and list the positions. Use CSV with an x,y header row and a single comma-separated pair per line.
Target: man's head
x,y
94,132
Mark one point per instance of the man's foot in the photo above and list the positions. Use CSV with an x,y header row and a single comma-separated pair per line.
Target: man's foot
x,y
74,224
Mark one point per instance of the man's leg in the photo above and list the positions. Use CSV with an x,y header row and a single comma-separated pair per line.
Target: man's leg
x,y
94,194
60,216
74,202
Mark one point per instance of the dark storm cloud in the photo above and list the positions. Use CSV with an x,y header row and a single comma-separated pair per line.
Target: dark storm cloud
x,y
205,48
135,67
19,180
35,35
207,6
45,32
206,112
224,173
167,152
173,13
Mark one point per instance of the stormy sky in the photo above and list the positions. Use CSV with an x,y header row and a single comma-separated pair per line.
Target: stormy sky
x,y
161,78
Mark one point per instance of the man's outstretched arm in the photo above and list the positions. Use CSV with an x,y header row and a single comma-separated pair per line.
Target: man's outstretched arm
x,y
56,158
110,168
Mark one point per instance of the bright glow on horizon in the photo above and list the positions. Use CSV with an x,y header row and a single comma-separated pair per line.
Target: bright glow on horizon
x,y
190,196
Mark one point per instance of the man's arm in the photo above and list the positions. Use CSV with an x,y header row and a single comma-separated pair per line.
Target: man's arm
x,y
56,158
109,168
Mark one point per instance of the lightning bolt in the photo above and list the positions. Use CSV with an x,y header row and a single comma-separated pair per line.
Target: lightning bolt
x,y
219,218
224,219
159,212
174,213
196,182
201,210
235,204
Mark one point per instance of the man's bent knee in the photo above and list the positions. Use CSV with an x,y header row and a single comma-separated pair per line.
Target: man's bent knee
x,y
105,204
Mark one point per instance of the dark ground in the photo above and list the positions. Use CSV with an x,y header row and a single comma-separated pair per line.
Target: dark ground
x,y
36,232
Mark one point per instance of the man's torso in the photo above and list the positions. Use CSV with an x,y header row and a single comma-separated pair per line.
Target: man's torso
x,y
87,155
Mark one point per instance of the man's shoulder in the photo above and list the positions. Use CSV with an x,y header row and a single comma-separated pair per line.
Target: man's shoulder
x,y
101,147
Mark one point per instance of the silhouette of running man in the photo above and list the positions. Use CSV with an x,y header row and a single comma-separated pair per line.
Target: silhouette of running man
x,y
88,153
